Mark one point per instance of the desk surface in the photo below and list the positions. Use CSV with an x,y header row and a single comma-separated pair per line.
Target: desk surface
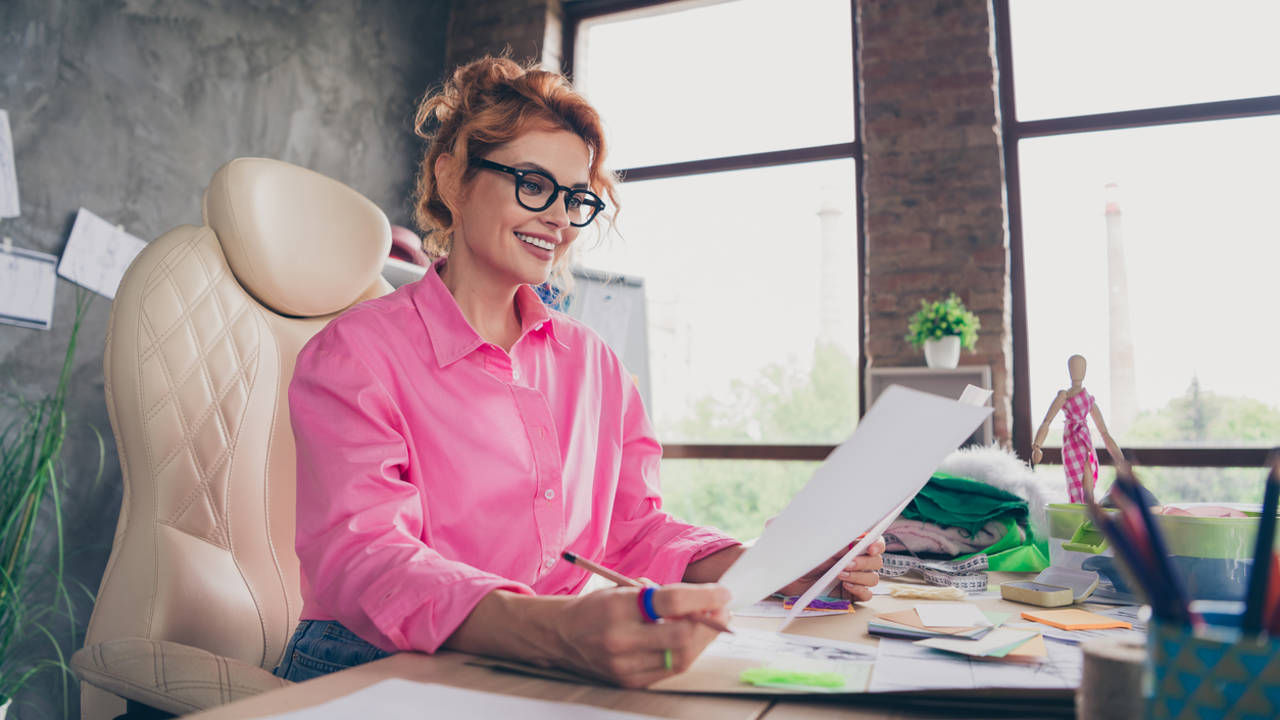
x,y
450,668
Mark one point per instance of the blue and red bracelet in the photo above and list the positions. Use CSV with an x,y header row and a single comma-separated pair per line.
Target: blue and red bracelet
x,y
645,601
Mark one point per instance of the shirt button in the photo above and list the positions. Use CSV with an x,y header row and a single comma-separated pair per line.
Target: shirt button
x,y
551,560
515,374
549,494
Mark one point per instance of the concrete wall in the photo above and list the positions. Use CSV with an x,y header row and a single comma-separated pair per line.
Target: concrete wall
x,y
127,108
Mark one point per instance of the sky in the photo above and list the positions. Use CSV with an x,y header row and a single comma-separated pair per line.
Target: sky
x,y
732,261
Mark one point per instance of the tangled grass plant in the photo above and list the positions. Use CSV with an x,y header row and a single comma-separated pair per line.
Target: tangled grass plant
x,y
34,594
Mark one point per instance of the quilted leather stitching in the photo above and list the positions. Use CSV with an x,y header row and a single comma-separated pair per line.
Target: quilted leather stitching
x,y
212,476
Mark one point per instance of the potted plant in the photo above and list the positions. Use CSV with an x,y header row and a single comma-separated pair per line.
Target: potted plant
x,y
943,327
31,437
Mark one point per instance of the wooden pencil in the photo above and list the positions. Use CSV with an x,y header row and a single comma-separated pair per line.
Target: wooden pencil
x,y
621,580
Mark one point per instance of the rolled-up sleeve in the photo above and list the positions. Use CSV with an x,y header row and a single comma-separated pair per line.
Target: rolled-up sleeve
x,y
359,522
644,541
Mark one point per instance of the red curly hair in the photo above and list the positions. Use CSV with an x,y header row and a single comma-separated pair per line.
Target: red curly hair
x,y
487,103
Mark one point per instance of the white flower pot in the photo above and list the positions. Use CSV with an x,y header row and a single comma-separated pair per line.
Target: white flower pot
x,y
944,353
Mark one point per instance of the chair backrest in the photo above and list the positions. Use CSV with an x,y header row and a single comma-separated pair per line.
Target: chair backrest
x,y
204,331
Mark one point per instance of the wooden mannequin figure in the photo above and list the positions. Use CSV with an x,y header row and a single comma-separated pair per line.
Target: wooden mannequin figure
x,y
1079,459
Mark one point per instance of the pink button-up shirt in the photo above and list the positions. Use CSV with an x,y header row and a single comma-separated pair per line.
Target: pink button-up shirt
x,y
434,467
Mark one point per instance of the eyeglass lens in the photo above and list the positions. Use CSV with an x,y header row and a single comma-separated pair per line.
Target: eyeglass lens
x,y
536,191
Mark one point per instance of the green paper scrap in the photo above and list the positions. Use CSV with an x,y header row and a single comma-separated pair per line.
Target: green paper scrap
x,y
997,618
796,679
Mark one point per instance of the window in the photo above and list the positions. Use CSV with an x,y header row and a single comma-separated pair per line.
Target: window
x,y
736,143
1140,145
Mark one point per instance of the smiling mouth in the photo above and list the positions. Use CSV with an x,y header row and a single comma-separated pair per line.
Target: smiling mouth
x,y
536,242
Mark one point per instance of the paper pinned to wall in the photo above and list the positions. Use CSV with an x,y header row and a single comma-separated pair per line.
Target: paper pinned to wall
x,y
864,482
97,254
8,171
27,283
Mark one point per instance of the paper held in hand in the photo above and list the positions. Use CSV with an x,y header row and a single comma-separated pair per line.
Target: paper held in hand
x,y
861,487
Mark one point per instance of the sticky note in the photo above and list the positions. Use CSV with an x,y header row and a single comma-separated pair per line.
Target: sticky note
x,y
1075,619
773,677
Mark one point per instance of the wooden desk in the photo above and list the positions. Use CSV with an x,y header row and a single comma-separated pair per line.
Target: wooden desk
x,y
450,668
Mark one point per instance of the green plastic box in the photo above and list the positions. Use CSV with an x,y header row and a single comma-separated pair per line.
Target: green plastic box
x,y
1212,554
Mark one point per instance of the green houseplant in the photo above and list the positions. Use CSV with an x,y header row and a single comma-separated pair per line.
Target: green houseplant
x,y
33,593
943,327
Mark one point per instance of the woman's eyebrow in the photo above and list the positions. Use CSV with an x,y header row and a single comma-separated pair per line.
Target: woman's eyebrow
x,y
582,185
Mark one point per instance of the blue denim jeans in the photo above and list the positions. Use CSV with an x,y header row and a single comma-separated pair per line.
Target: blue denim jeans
x,y
320,647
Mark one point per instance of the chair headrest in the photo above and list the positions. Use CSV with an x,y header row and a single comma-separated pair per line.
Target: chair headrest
x,y
301,243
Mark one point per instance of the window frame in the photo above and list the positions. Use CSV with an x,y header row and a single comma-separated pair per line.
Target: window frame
x,y
575,12
1014,131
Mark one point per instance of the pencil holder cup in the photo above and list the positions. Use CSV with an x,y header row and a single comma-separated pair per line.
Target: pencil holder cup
x,y
1220,676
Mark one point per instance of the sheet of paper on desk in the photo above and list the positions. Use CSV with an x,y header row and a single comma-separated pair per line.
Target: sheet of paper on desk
x,y
862,485
950,614
399,698
799,653
97,254
27,283
9,206
904,666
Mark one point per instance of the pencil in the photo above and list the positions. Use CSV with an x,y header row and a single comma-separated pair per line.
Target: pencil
x,y
1259,574
621,580
1174,590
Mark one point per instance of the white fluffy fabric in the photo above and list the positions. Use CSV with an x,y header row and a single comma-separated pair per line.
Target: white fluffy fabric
x,y
1000,468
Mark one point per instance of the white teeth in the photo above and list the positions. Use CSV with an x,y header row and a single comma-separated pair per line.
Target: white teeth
x,y
536,242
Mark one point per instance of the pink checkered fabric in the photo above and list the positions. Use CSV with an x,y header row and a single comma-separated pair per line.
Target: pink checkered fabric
x,y
1079,459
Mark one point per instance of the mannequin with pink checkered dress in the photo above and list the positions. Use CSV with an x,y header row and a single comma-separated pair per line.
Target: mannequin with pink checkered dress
x,y
1079,459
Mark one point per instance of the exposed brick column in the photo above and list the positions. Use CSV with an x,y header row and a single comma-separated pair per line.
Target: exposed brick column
x,y
530,28
934,179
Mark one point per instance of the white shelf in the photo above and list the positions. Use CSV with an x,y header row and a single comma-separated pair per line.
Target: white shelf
x,y
945,382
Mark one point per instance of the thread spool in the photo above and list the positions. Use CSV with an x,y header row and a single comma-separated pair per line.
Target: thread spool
x,y
1111,684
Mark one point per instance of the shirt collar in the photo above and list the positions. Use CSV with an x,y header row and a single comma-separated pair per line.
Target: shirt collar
x,y
452,337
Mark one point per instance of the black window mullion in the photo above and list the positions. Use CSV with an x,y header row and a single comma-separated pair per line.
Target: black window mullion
x,y
1013,132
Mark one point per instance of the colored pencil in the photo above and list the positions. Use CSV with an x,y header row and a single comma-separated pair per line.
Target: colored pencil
x,y
1260,573
621,580
1164,573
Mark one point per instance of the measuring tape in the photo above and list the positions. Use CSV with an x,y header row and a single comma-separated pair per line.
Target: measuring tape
x,y
968,575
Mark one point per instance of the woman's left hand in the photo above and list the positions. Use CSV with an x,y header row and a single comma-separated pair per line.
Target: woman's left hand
x,y
856,578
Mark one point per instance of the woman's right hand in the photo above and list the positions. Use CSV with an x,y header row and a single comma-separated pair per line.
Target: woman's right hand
x,y
604,634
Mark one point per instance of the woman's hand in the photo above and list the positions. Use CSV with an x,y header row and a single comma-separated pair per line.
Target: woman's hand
x,y
856,578
605,635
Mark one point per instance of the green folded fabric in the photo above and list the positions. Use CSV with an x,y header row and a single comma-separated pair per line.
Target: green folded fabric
x,y
953,501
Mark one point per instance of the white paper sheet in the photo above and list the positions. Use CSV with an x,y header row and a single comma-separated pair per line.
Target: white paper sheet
x,y
97,254
863,484
27,284
974,395
9,206
902,665
951,614
399,698
797,652
996,639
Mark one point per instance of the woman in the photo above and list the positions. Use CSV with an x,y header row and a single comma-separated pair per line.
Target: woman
x,y
455,437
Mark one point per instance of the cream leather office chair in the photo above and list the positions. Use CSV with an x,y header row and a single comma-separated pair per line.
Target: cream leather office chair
x,y
201,591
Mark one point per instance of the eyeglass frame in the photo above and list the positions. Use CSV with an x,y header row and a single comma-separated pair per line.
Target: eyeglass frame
x,y
519,174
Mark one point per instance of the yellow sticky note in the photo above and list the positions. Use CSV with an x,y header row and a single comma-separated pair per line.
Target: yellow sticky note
x,y
1074,619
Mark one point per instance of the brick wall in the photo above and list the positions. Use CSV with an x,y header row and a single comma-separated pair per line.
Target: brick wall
x,y
933,184
934,181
